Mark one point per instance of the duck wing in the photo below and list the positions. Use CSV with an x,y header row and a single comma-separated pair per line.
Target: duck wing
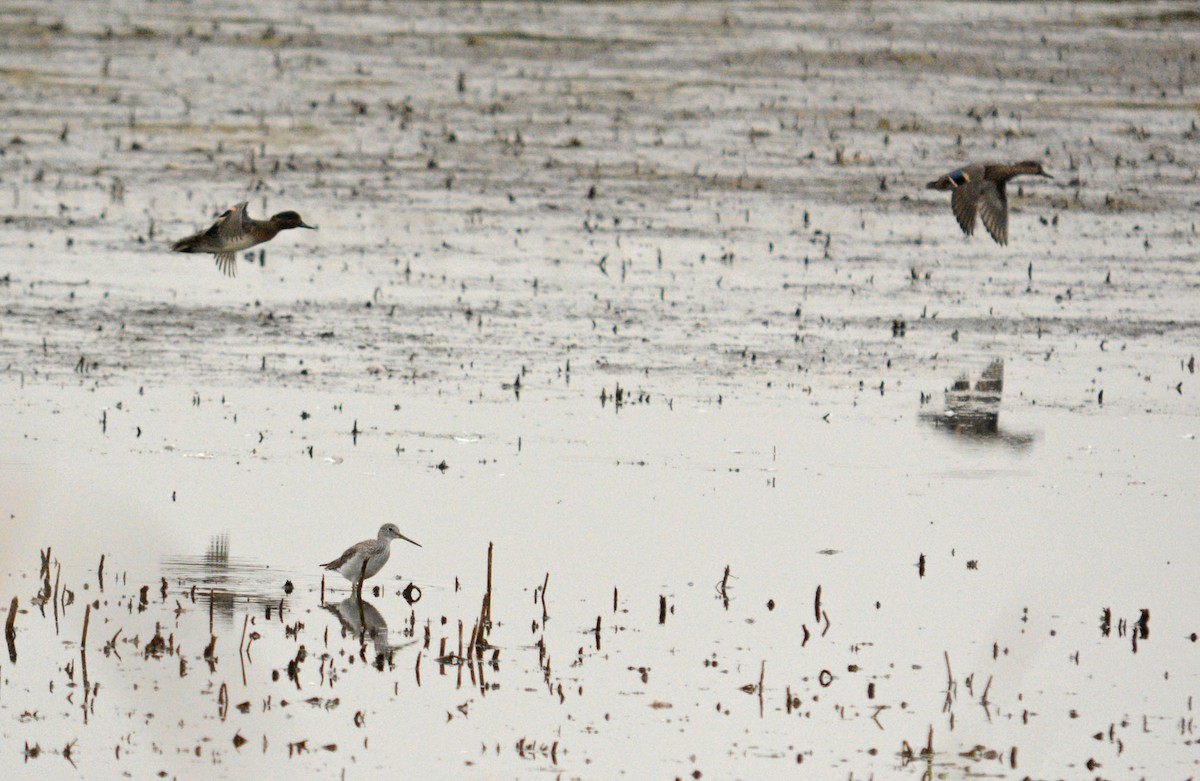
x,y
231,225
227,263
993,209
227,231
964,201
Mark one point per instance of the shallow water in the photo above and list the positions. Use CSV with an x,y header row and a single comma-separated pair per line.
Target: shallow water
x,y
910,580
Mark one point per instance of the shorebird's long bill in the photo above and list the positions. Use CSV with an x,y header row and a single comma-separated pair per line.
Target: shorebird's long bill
x,y
1048,176
306,225
414,542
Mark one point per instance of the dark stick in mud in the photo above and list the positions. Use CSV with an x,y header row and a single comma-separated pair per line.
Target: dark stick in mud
x,y
485,618
87,616
762,673
10,631
545,583
241,645
57,573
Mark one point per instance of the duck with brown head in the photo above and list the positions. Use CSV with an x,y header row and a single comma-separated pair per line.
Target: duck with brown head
x,y
979,188
235,231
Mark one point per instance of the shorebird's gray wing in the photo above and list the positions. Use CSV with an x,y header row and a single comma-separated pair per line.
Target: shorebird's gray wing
x,y
963,202
993,209
347,554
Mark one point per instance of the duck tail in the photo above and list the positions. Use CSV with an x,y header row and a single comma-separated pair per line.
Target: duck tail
x,y
185,245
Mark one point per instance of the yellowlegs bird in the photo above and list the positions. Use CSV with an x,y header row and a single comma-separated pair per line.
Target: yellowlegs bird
x,y
234,231
979,187
374,553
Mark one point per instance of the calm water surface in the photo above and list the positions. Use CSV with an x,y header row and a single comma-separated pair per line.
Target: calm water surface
x,y
777,555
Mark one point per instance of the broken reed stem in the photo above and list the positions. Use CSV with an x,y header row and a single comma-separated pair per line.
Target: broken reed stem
x,y
762,673
662,609
487,604
10,631
485,608
57,573
322,589
545,583
100,572
87,616
245,623
614,599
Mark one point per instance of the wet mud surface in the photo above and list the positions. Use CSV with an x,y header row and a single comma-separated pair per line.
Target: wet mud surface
x,y
636,292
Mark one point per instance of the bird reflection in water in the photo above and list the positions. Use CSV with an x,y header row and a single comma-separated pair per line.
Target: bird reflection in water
x,y
974,412
224,582
362,620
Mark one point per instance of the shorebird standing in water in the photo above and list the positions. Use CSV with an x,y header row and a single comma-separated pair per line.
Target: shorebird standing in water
x,y
374,552
234,231
979,187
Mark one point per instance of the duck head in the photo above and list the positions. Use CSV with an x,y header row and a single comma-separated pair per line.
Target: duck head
x,y
1032,167
287,220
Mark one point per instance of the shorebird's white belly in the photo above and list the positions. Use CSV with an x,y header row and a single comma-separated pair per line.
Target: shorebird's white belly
x,y
375,561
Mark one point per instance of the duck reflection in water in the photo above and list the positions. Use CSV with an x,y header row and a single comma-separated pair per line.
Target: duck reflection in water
x,y
974,412
363,620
